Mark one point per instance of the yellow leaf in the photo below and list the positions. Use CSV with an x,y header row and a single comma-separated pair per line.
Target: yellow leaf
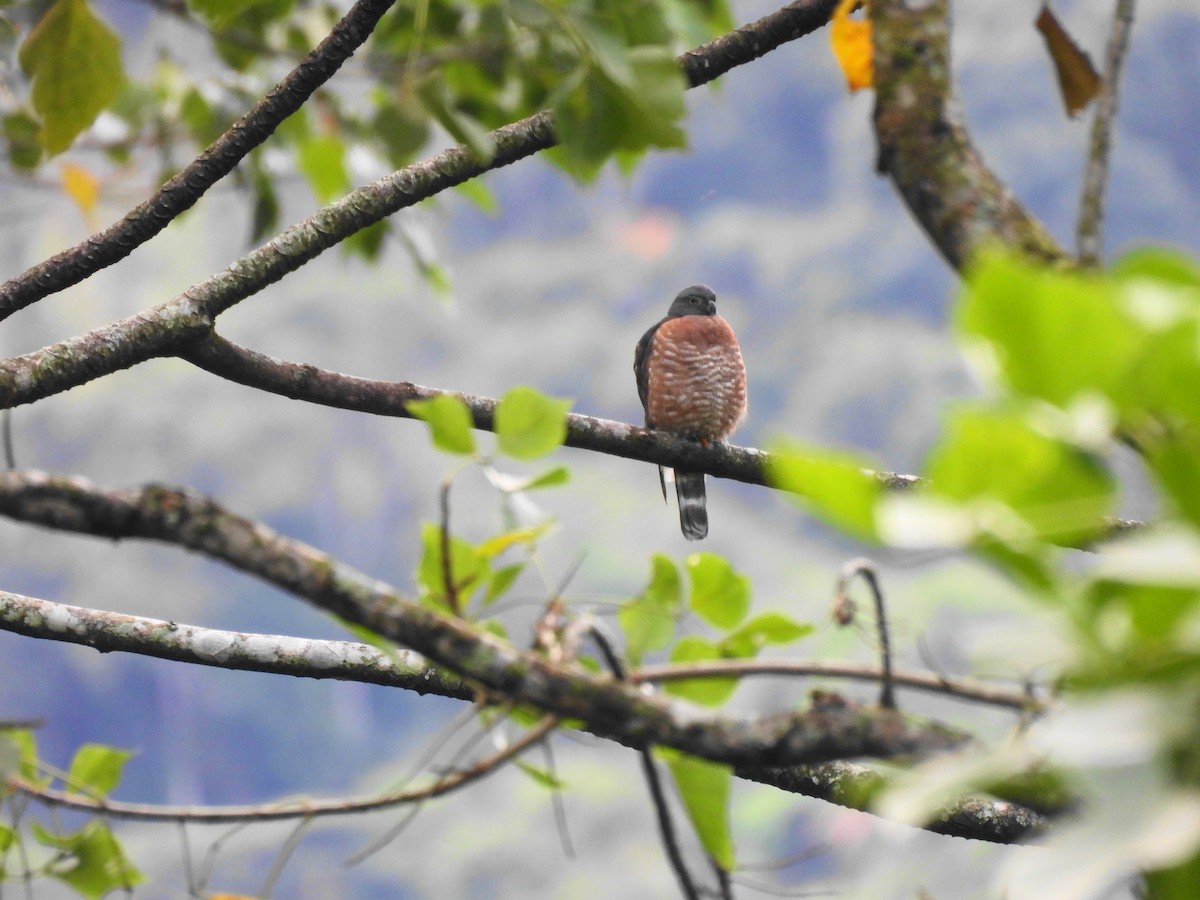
x,y
1077,77
851,40
81,186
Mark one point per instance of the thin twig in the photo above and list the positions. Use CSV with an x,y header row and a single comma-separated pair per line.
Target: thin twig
x,y
724,883
661,810
665,827
282,857
452,599
286,810
865,569
1090,233
559,807
10,455
299,381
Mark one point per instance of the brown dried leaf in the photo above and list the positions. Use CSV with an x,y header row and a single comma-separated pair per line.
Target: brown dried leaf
x,y
1077,77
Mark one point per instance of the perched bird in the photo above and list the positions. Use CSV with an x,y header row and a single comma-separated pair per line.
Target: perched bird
x,y
692,382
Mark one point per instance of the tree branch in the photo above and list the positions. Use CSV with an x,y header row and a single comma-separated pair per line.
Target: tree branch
x,y
274,654
266,812
1090,232
842,783
122,344
961,688
110,632
833,728
299,381
924,146
188,185
854,786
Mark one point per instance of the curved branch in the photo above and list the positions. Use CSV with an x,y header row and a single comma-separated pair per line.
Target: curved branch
x,y
188,185
299,381
924,146
110,632
843,783
275,654
833,728
853,786
295,809
77,361
961,688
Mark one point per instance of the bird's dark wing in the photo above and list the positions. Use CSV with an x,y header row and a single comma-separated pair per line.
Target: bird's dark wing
x,y
641,360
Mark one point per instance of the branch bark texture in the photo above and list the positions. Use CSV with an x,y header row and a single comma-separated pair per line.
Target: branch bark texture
x,y
831,729
924,146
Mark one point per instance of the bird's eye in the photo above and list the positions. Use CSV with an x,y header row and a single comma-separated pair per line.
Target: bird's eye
x,y
692,300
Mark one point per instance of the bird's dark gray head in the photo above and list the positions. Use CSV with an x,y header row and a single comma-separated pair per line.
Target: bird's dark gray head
x,y
696,300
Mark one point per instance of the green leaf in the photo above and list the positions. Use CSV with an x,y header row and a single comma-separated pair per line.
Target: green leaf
x,y
96,769
502,579
480,194
218,13
463,127
708,691
403,129
494,546
1157,264
449,420
468,569
648,620
92,861
23,744
704,787
544,777
995,460
764,629
1156,611
322,160
598,115
367,243
1176,464
266,208
720,595
21,135
550,478
74,62
1049,334
530,424
835,486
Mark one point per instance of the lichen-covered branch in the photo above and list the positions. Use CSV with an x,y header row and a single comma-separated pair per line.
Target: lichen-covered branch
x,y
843,783
299,381
854,786
832,728
924,146
276,654
188,185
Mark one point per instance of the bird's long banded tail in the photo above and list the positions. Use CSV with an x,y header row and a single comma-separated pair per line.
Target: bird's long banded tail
x,y
693,512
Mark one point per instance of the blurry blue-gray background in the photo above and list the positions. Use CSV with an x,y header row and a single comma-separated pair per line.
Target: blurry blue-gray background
x,y
842,308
